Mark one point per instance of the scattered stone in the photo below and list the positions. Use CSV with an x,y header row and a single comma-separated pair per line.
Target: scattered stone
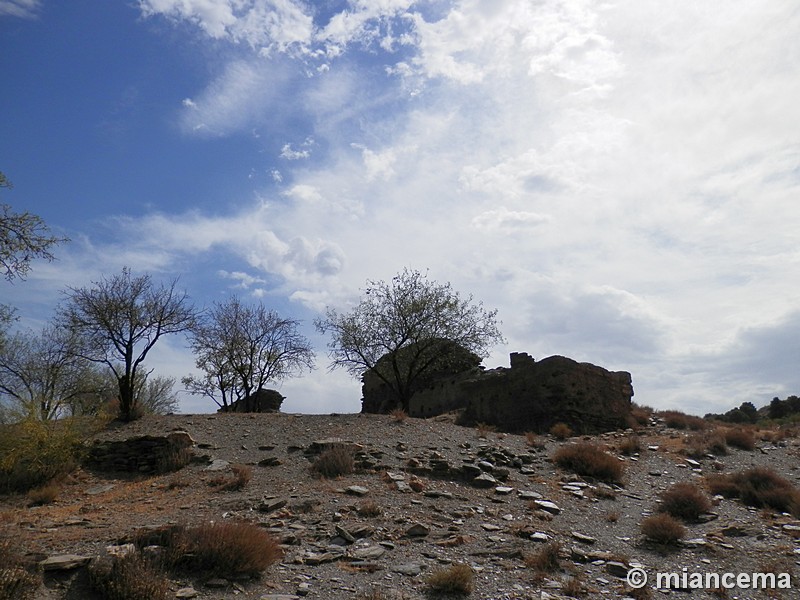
x,y
418,530
617,569
369,553
548,506
217,465
357,490
217,582
583,538
410,569
484,480
503,490
269,505
270,461
187,592
64,562
100,489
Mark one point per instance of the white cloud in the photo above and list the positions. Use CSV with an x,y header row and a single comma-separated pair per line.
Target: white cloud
x,y
25,9
619,180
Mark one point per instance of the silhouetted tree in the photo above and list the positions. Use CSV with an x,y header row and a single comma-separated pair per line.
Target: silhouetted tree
x,y
241,348
409,312
118,321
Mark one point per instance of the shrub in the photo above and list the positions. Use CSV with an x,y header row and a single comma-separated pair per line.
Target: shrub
x,y
34,452
223,549
561,431
484,429
640,415
534,441
46,494
684,501
457,579
574,587
709,442
129,577
663,529
369,508
18,580
589,460
398,415
630,445
334,462
744,439
680,420
174,459
760,487
546,560
242,474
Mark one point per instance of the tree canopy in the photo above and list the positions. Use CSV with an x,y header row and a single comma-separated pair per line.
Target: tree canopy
x,y
23,238
409,312
118,321
240,348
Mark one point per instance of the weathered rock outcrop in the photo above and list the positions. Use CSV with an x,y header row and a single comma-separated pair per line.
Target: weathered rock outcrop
x,y
143,454
529,396
257,402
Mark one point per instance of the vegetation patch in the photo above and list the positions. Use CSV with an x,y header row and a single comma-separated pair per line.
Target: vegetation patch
x,y
760,487
663,529
561,431
741,438
590,460
34,452
546,560
18,580
684,501
334,462
457,580
680,420
128,577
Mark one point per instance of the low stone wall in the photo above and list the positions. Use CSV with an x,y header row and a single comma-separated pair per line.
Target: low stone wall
x,y
144,454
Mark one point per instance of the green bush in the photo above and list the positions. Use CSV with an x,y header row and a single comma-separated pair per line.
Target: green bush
x,y
35,452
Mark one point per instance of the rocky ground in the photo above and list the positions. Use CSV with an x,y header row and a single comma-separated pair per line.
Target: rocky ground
x,y
431,514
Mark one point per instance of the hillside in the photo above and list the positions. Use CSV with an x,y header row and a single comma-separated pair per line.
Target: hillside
x,y
412,509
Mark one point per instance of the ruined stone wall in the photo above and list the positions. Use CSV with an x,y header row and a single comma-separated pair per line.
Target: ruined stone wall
x,y
533,396
144,454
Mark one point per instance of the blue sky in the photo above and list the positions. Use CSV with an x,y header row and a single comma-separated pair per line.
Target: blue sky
x,y
619,179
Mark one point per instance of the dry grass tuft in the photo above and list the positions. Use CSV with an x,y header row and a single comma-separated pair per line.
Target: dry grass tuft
x,y
684,501
334,462
702,443
663,529
18,580
589,460
744,439
561,431
398,415
546,560
630,445
129,577
680,420
534,441
46,494
760,487
221,549
484,429
369,508
575,587
242,474
457,580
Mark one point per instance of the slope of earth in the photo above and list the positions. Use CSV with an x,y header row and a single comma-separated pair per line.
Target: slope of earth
x,y
429,517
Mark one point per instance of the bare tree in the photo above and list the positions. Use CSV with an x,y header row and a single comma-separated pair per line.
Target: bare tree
x,y
42,375
23,237
241,348
118,321
156,395
412,314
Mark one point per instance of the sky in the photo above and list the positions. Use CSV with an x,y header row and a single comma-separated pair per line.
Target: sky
x,y
619,179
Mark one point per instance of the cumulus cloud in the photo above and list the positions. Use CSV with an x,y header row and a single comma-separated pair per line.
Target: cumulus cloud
x,y
618,179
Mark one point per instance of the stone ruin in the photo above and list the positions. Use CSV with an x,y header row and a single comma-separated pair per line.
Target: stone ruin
x,y
529,396
260,401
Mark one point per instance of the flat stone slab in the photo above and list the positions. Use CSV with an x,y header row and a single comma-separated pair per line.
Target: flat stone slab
x,y
64,562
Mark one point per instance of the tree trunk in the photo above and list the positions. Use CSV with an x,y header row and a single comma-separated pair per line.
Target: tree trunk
x,y
126,398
